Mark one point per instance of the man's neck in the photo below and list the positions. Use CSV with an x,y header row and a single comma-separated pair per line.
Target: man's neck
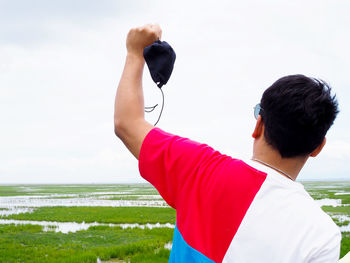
x,y
291,166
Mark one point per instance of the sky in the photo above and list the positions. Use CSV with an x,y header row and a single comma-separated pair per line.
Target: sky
x,y
61,61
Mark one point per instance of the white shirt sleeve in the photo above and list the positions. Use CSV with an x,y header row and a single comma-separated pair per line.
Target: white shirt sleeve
x,y
329,253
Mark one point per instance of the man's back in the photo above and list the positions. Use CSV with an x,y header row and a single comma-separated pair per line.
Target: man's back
x,y
234,211
227,209
284,222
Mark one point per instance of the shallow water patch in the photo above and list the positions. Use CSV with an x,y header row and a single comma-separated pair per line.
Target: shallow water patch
x,y
168,245
328,202
38,201
66,227
15,211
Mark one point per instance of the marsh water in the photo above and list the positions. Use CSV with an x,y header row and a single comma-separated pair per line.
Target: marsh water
x,y
30,198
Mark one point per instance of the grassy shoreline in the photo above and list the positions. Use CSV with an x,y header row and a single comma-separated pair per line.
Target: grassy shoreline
x,y
115,215
28,243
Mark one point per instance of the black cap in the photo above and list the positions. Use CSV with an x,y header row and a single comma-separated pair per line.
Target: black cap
x,y
160,58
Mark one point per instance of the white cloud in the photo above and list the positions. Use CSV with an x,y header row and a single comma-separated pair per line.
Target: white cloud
x,y
58,81
337,149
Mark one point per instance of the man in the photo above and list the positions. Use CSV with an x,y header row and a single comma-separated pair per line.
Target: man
x,y
229,210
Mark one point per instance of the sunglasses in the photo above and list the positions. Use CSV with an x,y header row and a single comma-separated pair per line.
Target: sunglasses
x,y
257,110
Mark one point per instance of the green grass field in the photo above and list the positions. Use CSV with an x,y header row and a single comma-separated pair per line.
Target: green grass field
x,y
29,243
33,243
136,189
115,215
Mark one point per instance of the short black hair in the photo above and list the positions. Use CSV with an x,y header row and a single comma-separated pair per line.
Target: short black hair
x,y
297,112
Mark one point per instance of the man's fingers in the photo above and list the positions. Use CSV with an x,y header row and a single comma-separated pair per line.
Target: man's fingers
x,y
140,37
157,30
153,29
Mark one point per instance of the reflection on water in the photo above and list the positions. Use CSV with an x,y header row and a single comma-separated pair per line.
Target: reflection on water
x,y
168,245
139,197
15,210
329,202
13,202
342,219
66,227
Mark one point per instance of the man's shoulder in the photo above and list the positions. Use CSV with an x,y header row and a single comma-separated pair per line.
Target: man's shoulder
x,y
316,221
282,197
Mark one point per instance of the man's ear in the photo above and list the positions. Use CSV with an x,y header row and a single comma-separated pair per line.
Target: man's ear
x,y
259,128
319,148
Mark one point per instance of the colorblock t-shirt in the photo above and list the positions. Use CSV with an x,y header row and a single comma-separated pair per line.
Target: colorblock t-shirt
x,y
229,210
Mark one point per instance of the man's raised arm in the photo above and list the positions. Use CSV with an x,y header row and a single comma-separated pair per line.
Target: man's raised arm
x,y
129,122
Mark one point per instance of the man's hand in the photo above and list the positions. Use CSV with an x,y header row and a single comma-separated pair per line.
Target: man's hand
x,y
129,122
140,37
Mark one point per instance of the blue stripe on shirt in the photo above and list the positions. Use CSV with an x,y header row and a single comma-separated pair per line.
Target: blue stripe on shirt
x,y
182,252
